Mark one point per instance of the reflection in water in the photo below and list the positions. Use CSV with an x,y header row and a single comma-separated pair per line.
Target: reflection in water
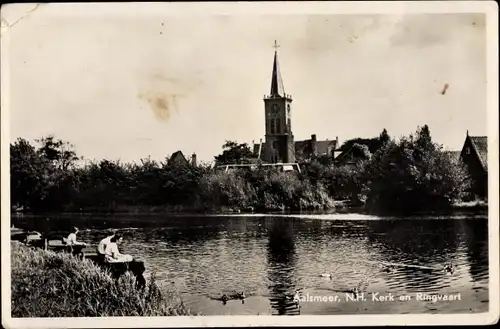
x,y
270,258
413,242
476,240
281,264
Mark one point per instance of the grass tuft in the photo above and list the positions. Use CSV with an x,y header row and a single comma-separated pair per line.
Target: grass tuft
x,y
48,284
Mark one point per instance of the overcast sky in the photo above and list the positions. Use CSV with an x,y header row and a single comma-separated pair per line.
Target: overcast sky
x,y
130,86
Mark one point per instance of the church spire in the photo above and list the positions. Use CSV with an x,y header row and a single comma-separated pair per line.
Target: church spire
x,y
277,88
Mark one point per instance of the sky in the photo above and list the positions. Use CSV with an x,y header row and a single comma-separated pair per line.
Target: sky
x,y
131,86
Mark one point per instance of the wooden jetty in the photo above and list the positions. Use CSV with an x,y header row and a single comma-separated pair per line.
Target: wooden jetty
x,y
52,243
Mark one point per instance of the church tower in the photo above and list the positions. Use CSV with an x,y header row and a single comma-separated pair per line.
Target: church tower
x,y
279,146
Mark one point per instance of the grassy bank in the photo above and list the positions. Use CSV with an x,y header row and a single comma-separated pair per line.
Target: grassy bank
x,y
46,284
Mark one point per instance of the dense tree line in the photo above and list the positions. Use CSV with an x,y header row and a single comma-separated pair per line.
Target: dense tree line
x,y
409,174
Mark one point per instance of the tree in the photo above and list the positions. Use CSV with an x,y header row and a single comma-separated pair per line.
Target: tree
x,y
373,144
234,153
59,152
369,142
384,138
25,173
42,178
362,151
413,174
345,182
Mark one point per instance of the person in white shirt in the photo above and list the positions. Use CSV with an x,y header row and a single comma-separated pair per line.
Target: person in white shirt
x,y
101,248
71,239
112,254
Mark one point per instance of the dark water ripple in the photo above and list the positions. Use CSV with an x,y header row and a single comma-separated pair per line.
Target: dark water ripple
x,y
271,258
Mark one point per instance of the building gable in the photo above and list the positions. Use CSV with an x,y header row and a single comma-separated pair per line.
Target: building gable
x,y
475,152
474,155
480,145
178,159
326,147
353,155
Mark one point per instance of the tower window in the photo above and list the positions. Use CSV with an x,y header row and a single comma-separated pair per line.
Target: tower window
x,y
278,125
467,150
272,126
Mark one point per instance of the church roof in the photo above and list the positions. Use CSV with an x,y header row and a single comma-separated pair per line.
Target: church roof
x,y
480,144
277,88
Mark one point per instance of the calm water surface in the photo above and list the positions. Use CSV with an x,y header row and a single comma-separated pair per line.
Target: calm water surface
x,y
271,257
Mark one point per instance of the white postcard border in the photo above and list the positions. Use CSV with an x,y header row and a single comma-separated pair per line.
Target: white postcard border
x,y
490,8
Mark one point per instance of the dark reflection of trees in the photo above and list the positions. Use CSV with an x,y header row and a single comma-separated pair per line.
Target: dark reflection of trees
x,y
431,242
178,230
281,257
476,240
47,225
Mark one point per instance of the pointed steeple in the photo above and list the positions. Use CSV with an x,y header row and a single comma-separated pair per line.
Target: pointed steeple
x,y
277,88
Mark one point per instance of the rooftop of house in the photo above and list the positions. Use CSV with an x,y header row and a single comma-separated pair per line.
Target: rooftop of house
x,y
304,148
353,153
480,143
177,153
177,157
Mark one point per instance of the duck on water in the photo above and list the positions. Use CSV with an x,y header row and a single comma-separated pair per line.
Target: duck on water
x,y
233,296
448,269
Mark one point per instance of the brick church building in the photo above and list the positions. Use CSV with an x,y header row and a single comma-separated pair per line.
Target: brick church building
x,y
279,145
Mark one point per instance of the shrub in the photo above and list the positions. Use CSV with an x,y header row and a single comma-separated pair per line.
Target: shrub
x,y
225,189
413,174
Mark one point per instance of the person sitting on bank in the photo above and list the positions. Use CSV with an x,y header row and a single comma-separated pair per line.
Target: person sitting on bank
x,y
101,248
71,239
112,254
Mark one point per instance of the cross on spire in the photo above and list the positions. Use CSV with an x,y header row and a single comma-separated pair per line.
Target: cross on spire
x,y
277,88
276,46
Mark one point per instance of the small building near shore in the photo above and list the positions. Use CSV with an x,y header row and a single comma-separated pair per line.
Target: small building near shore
x,y
178,159
474,155
351,156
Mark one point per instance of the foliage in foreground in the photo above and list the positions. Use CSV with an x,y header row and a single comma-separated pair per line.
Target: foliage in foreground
x,y
47,284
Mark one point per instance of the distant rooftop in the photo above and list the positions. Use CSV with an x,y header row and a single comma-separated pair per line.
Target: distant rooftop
x,y
481,145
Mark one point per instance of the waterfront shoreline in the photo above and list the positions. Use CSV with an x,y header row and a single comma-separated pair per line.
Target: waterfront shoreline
x,y
40,279
187,212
